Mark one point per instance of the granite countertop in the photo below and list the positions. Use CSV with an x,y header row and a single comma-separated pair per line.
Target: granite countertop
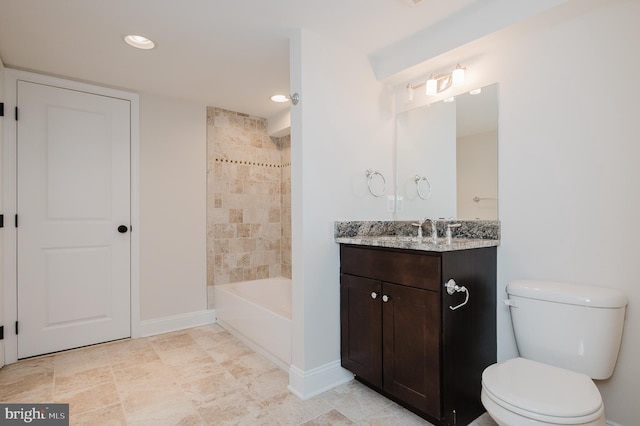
x,y
402,235
412,243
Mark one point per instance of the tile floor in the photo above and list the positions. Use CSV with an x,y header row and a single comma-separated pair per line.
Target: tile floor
x,y
199,376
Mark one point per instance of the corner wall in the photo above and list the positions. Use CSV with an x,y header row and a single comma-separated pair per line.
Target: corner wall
x,y
338,131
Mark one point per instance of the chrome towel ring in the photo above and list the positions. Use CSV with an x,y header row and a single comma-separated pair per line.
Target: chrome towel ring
x,y
370,175
419,179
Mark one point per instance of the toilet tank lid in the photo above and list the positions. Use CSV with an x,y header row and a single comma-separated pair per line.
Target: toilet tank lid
x,y
572,294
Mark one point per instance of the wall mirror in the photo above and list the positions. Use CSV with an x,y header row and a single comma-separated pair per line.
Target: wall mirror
x,y
447,158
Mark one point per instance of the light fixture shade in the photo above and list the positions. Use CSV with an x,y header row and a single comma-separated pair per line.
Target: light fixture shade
x,y
458,76
409,94
432,86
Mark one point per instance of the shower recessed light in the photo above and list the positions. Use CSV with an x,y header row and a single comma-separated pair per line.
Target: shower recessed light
x,y
139,42
280,98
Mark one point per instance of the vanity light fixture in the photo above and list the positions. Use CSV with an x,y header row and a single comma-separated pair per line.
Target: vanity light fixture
x,y
139,42
295,98
439,82
457,76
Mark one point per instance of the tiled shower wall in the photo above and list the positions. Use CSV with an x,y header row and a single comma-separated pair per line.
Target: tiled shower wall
x,y
248,199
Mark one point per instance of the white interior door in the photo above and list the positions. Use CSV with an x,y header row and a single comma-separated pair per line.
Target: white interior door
x,y
73,179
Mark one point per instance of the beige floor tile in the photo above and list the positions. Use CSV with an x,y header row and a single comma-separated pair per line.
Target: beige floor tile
x,y
194,369
356,401
206,389
151,377
483,420
26,376
106,416
393,414
160,406
223,347
332,418
172,341
287,409
67,382
43,393
84,400
78,360
235,408
248,366
267,385
182,355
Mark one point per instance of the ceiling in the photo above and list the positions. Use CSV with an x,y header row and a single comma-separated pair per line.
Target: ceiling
x,y
226,53
232,54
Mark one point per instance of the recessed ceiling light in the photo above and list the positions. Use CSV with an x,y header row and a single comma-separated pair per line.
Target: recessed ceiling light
x,y
280,98
139,42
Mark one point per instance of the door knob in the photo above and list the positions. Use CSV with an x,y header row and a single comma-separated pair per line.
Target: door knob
x,y
385,298
122,229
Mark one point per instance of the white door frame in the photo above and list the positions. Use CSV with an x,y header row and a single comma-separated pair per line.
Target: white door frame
x,y
9,188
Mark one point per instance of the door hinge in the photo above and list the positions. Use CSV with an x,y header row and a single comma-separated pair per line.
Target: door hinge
x,y
16,328
1,221
1,109
16,113
16,221
1,332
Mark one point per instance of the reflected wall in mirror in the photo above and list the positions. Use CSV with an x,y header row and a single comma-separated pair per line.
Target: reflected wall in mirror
x,y
447,158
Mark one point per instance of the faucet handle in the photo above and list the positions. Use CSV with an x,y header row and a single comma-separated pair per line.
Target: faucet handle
x,y
419,225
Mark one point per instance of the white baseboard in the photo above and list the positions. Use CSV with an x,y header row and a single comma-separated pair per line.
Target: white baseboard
x,y
307,384
176,322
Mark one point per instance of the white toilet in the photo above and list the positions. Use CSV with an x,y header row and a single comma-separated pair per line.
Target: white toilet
x,y
567,334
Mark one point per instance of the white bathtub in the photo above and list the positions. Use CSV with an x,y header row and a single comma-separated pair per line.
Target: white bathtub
x,y
259,313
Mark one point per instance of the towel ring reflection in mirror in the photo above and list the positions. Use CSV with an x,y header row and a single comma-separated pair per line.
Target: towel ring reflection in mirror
x,y
370,175
418,179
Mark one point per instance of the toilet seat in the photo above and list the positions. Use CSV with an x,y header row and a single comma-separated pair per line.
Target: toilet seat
x,y
543,392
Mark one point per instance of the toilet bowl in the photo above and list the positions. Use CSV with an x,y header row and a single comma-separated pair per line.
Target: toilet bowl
x,y
520,392
567,334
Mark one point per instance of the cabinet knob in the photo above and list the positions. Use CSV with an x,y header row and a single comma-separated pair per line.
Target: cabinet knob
x,y
374,295
385,298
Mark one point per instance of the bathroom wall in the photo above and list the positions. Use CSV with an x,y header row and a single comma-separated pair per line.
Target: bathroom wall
x,y
568,150
248,178
342,126
172,207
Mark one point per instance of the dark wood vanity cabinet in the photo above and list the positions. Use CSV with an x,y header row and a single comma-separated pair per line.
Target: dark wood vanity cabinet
x,y
400,336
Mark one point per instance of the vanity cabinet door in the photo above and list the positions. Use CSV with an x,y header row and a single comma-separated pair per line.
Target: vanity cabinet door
x,y
411,345
360,327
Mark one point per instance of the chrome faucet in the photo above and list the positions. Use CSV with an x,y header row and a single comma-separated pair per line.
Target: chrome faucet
x,y
434,230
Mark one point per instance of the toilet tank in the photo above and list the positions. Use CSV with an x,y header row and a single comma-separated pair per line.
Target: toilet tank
x,y
577,327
